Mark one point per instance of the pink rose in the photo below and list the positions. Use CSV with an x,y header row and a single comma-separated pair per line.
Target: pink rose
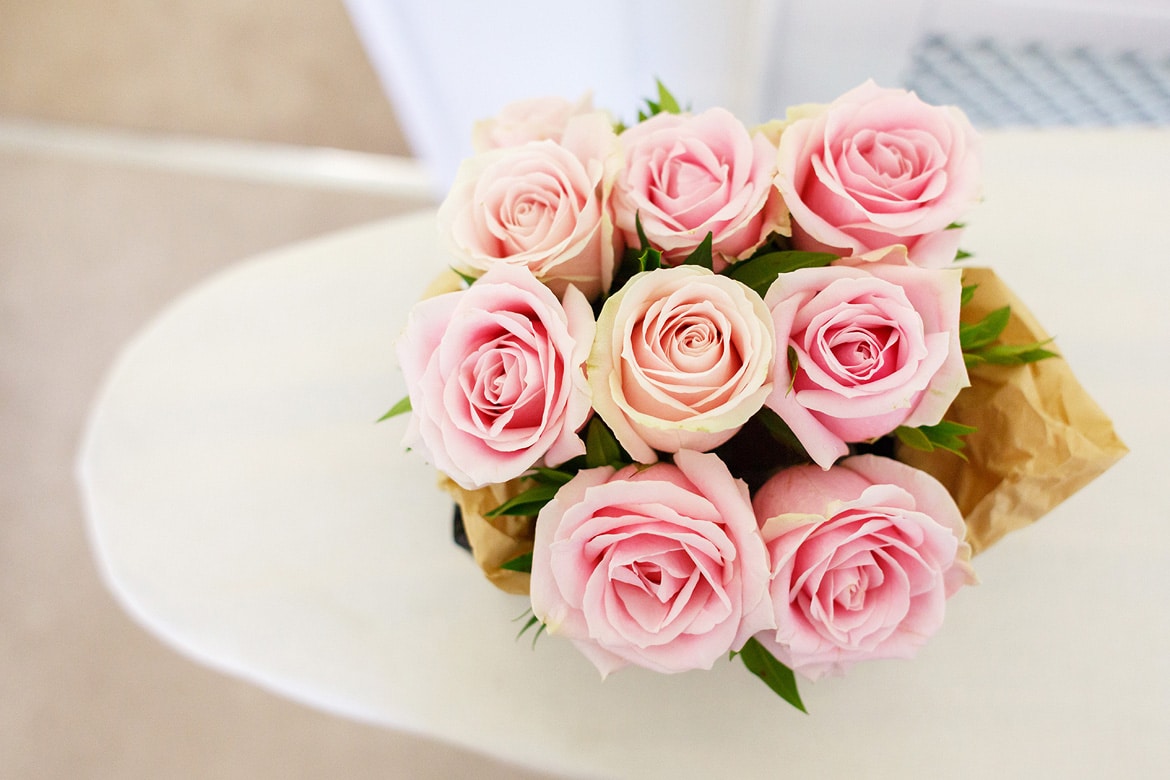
x,y
682,359
496,377
535,119
687,176
878,168
662,567
875,348
542,205
864,556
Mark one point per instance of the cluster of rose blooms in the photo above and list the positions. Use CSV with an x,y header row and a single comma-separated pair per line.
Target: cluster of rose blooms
x,y
791,278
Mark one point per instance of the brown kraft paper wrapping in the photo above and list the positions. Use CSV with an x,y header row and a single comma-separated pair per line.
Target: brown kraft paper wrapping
x,y
1039,439
497,540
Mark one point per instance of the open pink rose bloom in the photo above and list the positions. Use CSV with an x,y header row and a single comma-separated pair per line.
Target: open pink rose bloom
x,y
687,176
682,359
691,362
878,168
497,377
873,349
543,204
864,556
663,567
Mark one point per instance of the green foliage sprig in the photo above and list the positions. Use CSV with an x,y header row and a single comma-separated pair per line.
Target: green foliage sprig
x,y
601,449
946,436
521,563
775,675
666,104
762,270
402,407
980,340
533,620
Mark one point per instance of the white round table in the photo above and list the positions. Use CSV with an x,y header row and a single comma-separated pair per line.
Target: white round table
x,y
244,506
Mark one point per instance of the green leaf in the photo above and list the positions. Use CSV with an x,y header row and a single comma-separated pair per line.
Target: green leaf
x,y
549,476
666,104
465,277
760,272
775,675
978,340
968,294
986,331
402,407
527,503
631,264
780,431
649,258
643,242
532,621
601,448
666,101
962,255
521,563
793,367
913,437
1010,354
956,226
702,255
928,438
637,260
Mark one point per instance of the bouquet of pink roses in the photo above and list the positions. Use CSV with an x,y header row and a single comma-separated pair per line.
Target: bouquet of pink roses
x,y
672,388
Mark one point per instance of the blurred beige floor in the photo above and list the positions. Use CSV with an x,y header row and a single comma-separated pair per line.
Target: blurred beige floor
x,y
289,71
89,252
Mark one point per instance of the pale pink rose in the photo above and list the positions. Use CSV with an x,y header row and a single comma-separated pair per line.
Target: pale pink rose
x,y
682,359
686,176
543,204
535,119
496,377
877,168
875,347
863,558
662,567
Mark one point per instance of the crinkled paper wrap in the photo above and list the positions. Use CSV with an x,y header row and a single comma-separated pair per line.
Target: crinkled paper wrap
x,y
497,540
1040,437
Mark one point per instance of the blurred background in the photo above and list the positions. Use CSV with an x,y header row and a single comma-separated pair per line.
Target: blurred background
x,y
146,144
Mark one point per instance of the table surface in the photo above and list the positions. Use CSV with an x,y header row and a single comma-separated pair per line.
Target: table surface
x,y
243,507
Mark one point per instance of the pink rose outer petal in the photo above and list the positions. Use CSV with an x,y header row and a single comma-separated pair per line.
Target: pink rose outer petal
x,y
534,119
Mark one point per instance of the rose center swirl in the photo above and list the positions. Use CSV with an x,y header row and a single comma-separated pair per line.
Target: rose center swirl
x,y
885,156
656,589
505,387
688,182
689,344
860,354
